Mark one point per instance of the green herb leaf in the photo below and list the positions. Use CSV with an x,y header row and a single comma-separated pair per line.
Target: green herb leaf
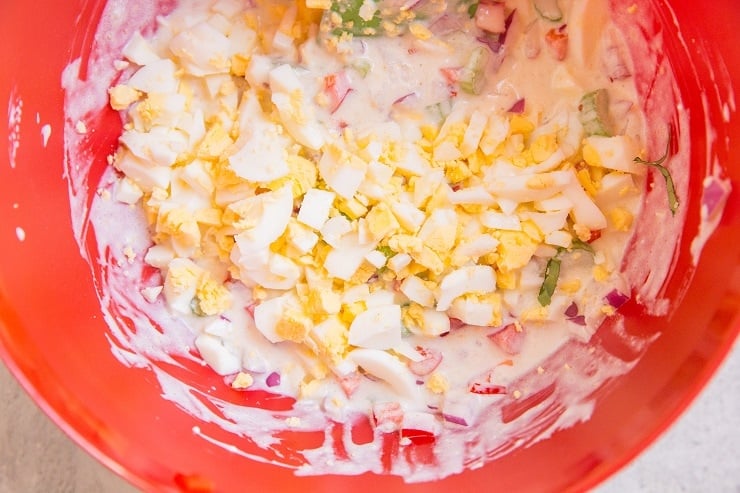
x,y
593,113
673,201
552,272
351,21
472,9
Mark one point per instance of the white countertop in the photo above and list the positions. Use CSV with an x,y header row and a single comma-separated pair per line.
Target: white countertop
x,y
700,453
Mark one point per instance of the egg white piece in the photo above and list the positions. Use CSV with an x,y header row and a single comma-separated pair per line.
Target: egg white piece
x,y
469,279
315,207
378,327
156,76
264,158
268,215
387,367
217,355
269,312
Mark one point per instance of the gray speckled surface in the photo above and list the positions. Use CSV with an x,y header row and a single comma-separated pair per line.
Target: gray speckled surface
x,y
700,453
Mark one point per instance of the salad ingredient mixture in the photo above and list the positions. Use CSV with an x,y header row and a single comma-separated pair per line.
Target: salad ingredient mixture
x,y
393,209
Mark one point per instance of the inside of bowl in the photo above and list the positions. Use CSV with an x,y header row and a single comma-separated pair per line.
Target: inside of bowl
x,y
58,343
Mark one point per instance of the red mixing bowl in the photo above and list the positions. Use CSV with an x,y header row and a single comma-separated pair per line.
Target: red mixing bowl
x,y
53,336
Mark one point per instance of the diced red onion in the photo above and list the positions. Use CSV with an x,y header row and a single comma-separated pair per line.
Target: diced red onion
x,y
510,339
431,360
273,379
495,42
517,107
615,65
446,24
336,87
616,299
406,98
456,323
455,419
578,320
714,195
572,310
250,309
411,4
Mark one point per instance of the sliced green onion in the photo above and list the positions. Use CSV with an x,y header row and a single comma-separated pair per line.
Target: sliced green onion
x,y
578,244
472,75
552,272
673,201
594,113
548,10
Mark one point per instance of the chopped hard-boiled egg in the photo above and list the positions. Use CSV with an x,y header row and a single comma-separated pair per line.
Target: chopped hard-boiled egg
x,y
353,223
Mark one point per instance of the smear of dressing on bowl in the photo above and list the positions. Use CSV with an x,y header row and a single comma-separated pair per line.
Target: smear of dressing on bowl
x,y
15,114
531,391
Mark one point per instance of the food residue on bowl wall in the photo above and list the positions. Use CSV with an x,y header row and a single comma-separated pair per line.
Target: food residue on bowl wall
x,y
415,214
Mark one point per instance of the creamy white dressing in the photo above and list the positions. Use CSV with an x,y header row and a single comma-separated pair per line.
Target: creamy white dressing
x,y
556,358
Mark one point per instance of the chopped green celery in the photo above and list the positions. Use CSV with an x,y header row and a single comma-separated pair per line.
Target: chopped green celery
x,y
673,201
363,67
473,74
552,272
351,20
548,10
439,111
594,113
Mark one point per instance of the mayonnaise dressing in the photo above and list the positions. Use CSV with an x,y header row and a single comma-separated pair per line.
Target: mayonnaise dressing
x,y
542,384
